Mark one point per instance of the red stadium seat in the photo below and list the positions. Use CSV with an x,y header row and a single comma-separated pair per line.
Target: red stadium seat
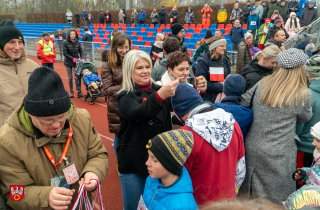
x,y
147,43
106,32
189,53
116,25
167,34
131,42
112,25
188,35
94,25
104,25
159,30
150,34
95,39
206,26
136,48
228,26
168,26
199,26
151,25
186,26
105,36
197,30
104,28
221,26
143,30
244,26
192,26
227,30
103,46
162,26
133,25
124,29
97,35
95,31
134,33
140,38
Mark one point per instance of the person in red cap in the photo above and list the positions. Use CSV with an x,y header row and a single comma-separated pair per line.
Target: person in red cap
x,y
263,31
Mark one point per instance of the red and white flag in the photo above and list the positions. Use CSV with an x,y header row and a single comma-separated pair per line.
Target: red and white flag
x,y
171,19
216,74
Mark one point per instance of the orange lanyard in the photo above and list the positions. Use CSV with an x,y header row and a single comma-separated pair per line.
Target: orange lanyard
x,y
64,153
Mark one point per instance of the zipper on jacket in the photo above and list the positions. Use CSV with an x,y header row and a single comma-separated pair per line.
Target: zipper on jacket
x,y
153,196
21,85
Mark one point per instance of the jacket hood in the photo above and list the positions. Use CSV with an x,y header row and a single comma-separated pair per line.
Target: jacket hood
x,y
215,127
253,66
4,59
315,85
163,62
105,55
181,185
68,36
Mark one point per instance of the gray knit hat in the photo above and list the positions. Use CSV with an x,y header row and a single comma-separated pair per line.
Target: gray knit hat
x,y
309,48
291,58
313,66
46,94
307,37
172,148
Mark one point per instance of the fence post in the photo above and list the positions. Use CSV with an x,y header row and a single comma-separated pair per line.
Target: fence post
x,y
93,52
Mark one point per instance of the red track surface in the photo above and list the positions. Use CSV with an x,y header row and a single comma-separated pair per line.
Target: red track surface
x,y
111,189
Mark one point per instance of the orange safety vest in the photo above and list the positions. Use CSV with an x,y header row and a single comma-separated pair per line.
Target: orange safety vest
x,y
206,12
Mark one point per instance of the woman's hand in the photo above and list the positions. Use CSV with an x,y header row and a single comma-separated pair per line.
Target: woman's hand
x,y
297,175
201,83
168,89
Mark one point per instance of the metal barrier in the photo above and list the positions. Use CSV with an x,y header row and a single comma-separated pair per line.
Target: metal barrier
x,y
313,28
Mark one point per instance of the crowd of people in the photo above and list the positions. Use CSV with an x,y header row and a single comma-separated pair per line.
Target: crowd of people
x,y
189,134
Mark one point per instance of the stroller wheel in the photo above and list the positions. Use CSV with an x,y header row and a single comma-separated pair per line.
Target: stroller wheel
x,y
84,98
91,101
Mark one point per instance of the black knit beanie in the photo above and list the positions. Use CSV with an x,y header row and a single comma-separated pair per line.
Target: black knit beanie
x,y
176,28
46,94
172,149
9,31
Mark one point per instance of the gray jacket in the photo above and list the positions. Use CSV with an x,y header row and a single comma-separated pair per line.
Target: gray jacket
x,y
271,149
154,17
69,15
188,18
259,10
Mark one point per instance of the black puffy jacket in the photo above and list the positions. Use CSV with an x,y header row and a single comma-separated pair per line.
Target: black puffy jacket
x,y
72,50
253,73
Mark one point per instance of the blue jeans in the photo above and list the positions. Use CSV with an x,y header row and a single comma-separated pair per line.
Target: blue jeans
x,y
50,65
132,186
115,144
233,48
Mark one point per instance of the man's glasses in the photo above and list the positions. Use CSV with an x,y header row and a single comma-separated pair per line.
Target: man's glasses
x,y
50,122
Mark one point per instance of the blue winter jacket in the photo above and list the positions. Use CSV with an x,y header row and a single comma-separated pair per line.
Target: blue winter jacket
x,y
236,34
301,45
301,4
91,78
84,15
255,18
241,114
177,196
142,16
202,69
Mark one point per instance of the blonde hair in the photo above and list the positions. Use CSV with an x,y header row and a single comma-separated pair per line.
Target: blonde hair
x,y
246,204
285,87
129,63
268,52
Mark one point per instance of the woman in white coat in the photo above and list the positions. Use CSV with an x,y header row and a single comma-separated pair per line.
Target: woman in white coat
x,y
292,25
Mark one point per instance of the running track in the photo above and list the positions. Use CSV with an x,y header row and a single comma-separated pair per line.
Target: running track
x,y
111,189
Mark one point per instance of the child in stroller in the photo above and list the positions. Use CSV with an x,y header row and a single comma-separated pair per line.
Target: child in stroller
x,y
93,81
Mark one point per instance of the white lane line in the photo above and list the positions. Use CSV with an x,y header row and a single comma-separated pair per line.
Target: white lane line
x,y
110,139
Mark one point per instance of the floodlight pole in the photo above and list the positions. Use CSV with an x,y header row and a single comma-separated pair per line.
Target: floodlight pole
x,y
127,5
44,18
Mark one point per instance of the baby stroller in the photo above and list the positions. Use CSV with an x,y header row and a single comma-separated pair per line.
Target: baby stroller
x,y
95,89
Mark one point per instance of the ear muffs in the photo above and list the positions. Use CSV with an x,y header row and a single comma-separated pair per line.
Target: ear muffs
x,y
201,108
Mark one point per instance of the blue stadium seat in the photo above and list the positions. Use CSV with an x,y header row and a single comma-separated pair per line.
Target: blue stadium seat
x,y
191,46
195,35
147,26
227,36
135,42
190,30
128,26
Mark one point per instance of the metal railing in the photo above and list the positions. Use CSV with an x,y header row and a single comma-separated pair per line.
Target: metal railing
x,y
313,28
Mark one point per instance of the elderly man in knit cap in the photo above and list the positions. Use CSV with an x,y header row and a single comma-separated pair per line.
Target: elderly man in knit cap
x,y
306,39
305,147
179,33
233,88
216,164
48,147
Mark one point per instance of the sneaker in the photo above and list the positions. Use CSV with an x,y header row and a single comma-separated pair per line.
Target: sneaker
x,y
80,95
71,95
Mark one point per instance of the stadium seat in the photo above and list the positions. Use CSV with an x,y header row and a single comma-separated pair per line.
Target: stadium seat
x,y
186,26
159,30
147,43
147,26
222,30
188,35
128,25
154,30
244,31
190,30
134,33
221,26
167,34
197,30
168,26
112,25
192,26
195,35
157,26
151,26
116,25
244,26
135,42
206,26
228,26
165,30
140,38
193,40
139,33
150,34
199,26
227,30
162,26
133,25
148,50
227,36
134,38
143,29
120,28
190,46
136,48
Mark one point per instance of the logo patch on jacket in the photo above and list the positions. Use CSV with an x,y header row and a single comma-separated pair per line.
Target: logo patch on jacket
x,y
16,192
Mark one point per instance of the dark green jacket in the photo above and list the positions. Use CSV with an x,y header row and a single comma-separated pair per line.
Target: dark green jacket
x,y
284,12
270,8
199,51
303,130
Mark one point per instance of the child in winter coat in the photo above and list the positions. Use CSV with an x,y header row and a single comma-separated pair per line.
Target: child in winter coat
x,y
169,185
308,195
222,15
92,80
156,52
